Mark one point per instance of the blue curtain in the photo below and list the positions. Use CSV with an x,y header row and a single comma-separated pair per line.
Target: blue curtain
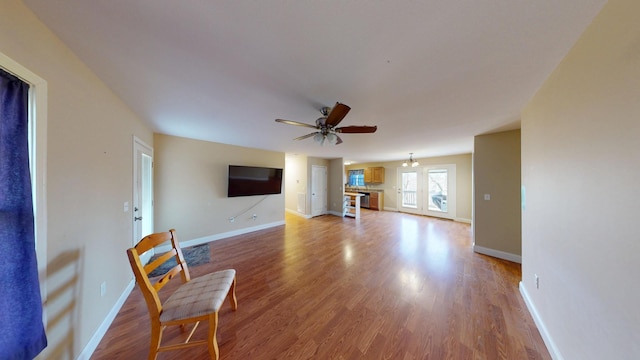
x,y
22,333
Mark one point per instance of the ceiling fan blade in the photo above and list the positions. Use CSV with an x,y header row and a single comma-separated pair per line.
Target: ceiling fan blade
x,y
339,141
337,114
291,122
356,129
306,136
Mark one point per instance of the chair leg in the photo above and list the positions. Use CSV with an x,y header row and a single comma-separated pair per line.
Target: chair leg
x,y
156,338
232,295
213,342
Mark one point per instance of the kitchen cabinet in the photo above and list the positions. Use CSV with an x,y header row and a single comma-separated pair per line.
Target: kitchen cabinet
x,y
374,175
373,201
376,200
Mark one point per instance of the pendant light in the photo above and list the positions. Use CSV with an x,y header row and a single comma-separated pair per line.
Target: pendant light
x,y
411,162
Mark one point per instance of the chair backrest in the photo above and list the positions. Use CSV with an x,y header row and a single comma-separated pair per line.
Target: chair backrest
x,y
141,271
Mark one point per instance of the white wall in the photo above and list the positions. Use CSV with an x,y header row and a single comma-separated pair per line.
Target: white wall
x,y
335,186
295,182
89,177
191,189
496,172
581,170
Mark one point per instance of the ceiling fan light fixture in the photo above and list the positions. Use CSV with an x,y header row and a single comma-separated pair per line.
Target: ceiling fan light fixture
x,y
332,138
326,125
318,137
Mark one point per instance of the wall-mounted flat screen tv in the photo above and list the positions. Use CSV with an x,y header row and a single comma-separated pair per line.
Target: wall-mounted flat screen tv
x,y
253,180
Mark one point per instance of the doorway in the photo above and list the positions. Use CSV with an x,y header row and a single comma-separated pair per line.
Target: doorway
x,y
318,190
142,192
408,200
428,190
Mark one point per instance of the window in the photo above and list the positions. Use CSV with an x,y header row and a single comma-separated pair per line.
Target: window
x,y
23,92
356,177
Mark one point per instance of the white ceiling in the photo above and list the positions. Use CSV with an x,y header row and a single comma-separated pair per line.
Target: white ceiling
x,y
430,74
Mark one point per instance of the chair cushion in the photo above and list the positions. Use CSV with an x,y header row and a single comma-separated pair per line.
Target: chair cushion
x,y
200,296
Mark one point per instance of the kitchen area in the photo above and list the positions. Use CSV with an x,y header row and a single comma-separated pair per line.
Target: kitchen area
x,y
361,190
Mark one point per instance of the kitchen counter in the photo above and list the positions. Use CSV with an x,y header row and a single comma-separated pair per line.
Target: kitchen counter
x,y
373,198
351,205
363,191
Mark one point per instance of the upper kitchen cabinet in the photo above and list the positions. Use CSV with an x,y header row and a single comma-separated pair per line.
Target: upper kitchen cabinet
x,y
374,175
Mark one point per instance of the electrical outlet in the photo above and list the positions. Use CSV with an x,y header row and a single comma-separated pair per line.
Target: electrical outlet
x,y
103,288
537,281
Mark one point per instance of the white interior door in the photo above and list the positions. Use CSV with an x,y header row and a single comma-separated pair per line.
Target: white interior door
x,y
142,192
318,190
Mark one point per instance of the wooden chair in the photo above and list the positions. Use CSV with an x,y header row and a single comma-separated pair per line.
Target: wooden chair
x,y
196,300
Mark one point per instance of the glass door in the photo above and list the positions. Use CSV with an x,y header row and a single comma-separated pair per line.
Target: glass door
x,y
408,190
437,185
428,190
440,183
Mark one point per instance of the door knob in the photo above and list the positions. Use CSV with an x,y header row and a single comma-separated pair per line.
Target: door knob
x,y
137,218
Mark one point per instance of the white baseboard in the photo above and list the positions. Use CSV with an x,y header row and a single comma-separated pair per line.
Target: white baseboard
x,y
498,254
214,237
294,212
548,341
463,220
99,334
102,329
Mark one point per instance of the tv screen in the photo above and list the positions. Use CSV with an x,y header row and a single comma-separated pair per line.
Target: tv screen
x,y
253,180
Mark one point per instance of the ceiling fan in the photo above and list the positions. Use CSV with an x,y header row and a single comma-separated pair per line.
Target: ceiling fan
x,y
326,125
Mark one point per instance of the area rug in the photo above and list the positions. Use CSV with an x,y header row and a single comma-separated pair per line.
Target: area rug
x,y
194,256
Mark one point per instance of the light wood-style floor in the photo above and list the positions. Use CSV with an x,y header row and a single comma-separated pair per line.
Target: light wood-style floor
x,y
386,286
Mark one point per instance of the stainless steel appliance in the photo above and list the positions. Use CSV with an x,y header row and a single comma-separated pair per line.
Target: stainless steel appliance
x,y
364,200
